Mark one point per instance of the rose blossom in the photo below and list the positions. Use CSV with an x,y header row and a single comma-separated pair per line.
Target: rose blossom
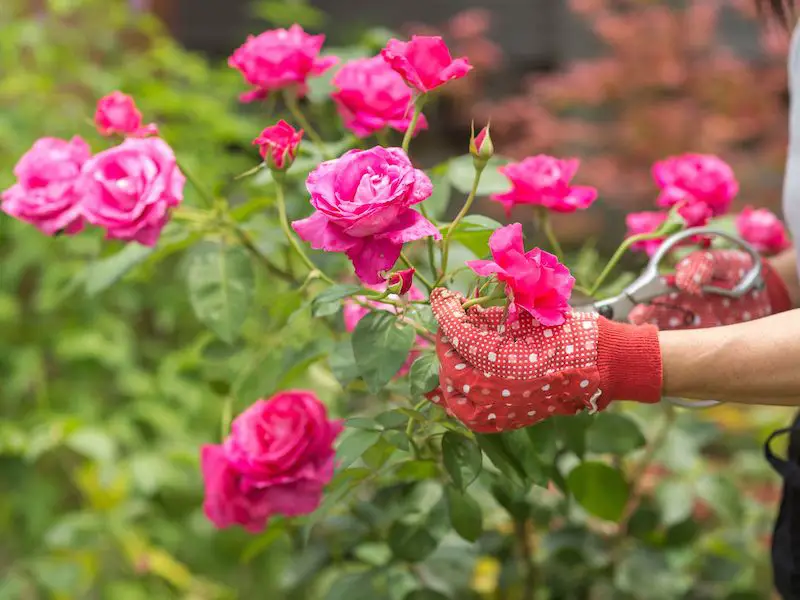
x,y
762,229
129,189
545,181
354,312
228,501
280,58
278,145
693,178
363,208
372,96
401,282
45,193
424,62
117,113
645,222
535,281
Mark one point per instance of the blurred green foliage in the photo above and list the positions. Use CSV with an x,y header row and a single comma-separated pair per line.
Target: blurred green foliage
x,y
108,391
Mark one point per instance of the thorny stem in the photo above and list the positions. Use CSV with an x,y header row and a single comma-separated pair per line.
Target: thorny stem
x,y
479,167
287,230
547,228
418,275
618,255
207,197
412,126
290,98
410,428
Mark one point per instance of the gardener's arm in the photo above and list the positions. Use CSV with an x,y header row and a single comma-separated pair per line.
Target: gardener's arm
x,y
785,265
757,362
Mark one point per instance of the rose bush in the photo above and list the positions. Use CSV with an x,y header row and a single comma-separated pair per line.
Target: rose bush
x,y
415,506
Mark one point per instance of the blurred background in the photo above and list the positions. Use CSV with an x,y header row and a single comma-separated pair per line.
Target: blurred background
x,y
104,400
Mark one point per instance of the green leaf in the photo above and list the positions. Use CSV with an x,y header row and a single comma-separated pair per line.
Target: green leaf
x,y
352,586
416,470
492,446
329,301
221,281
424,374
721,494
381,345
104,273
353,444
544,440
600,489
474,231
343,363
612,433
424,522
93,443
461,173
462,458
465,514
259,378
392,419
676,501
519,447
673,223
437,203
572,431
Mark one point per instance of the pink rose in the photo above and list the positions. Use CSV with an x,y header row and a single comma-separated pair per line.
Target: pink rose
x,y
372,96
353,313
401,282
545,181
762,229
228,500
481,146
645,222
45,193
363,208
284,446
117,113
280,58
278,145
129,189
535,281
694,178
425,62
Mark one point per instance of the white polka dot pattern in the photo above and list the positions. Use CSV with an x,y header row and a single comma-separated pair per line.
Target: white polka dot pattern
x,y
497,378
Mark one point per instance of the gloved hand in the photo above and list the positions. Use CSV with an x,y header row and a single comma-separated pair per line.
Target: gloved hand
x,y
495,377
689,308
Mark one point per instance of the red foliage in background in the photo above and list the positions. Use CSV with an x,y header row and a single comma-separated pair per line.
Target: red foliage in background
x,y
666,85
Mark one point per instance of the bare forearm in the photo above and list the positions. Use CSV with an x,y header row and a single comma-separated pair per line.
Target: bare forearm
x,y
757,362
785,264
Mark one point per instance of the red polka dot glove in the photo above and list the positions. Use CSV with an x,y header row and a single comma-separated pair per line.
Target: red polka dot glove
x,y
690,308
495,377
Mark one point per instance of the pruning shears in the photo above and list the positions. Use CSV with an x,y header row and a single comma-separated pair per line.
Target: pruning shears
x,y
652,284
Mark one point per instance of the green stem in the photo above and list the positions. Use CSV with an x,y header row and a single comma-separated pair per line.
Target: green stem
x,y
419,276
624,246
496,293
290,98
287,230
227,416
244,238
461,214
547,228
410,428
412,126
429,241
207,197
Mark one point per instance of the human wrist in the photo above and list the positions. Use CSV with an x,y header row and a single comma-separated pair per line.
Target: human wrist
x,y
629,362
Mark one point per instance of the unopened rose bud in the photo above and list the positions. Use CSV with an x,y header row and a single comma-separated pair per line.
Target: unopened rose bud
x,y
278,145
480,146
400,282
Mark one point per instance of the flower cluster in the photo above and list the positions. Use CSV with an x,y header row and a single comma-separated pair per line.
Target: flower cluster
x,y
276,461
762,229
128,190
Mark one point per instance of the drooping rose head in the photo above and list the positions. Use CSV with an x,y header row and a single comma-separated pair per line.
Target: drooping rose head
x,y
645,222
371,96
362,204
763,229
129,189
535,281
424,62
117,114
228,499
284,447
278,59
696,178
545,181
278,145
45,193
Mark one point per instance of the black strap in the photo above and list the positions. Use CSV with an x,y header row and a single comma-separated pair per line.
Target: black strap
x,y
790,471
